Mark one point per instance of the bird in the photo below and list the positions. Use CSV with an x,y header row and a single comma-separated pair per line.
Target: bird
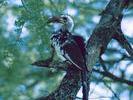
x,y
70,47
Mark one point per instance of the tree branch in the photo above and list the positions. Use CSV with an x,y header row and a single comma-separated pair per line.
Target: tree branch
x,y
101,36
64,66
104,31
119,36
113,77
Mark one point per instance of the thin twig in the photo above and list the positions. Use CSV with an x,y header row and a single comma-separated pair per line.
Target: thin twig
x,y
54,6
115,95
95,85
23,3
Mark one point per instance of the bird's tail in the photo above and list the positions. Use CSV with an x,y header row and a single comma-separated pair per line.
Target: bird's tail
x,y
85,86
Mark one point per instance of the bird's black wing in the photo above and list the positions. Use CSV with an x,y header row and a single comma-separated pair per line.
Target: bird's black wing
x,y
81,43
73,53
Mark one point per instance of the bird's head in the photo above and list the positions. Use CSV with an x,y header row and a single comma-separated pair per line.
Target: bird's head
x,y
65,21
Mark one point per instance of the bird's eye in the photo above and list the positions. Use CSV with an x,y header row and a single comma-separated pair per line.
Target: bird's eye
x,y
64,18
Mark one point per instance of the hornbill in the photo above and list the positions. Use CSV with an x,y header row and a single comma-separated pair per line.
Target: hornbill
x,y
70,47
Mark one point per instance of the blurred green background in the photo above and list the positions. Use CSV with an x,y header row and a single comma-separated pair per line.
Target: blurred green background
x,y
24,39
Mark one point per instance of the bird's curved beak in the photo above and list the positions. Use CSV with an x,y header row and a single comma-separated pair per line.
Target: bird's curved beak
x,y
55,19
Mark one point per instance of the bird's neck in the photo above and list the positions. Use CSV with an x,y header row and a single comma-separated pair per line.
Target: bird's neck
x,y
64,29
68,27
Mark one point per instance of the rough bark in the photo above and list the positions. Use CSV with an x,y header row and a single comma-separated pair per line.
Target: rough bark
x,y
68,88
